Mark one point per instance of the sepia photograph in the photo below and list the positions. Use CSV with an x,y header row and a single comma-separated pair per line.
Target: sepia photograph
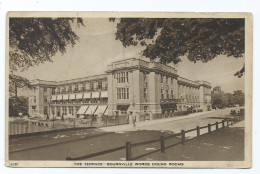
x,y
122,89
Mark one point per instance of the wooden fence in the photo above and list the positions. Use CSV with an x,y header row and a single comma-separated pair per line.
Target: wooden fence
x,y
128,145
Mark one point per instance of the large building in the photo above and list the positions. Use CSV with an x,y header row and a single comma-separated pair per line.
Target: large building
x,y
128,86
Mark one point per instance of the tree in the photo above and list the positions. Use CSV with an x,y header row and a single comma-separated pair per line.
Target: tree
x,y
221,99
36,40
18,105
239,97
200,39
16,82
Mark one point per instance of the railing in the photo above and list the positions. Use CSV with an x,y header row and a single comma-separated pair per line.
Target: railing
x,y
128,145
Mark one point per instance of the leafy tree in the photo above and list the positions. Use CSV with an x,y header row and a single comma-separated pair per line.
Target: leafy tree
x,y
221,99
17,105
36,40
16,82
239,97
200,39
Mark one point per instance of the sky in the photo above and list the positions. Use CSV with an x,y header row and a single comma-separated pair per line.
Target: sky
x,y
97,48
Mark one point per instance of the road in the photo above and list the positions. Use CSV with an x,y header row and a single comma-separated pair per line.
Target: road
x,y
77,143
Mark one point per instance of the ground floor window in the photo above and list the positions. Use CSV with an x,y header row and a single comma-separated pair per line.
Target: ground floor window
x,y
45,111
70,109
64,110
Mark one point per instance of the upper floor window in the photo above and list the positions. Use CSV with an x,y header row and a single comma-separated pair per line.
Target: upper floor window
x,y
167,80
122,77
34,99
99,84
171,81
161,78
53,91
122,93
34,89
45,89
63,89
91,86
172,94
76,88
162,91
167,93
45,99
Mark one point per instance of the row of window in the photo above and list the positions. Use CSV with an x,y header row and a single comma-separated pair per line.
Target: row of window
x,y
168,96
122,93
167,79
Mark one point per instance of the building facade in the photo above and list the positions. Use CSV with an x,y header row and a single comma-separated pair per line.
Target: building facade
x,y
128,86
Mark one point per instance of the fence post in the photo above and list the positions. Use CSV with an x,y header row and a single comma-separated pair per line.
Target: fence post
x,y
198,131
162,144
128,151
216,126
182,137
223,124
209,128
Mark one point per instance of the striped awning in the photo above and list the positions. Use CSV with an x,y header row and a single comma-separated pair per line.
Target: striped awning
x,y
103,94
106,112
95,94
87,95
82,110
101,110
79,96
65,97
91,110
72,96
59,97
53,97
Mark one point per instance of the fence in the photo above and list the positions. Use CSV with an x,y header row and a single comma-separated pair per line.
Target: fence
x,y
16,128
128,145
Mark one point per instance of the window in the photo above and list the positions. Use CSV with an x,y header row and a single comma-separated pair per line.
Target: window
x,y
122,93
45,111
162,93
63,89
145,108
122,77
45,89
34,99
127,80
64,110
70,109
127,93
167,93
161,78
76,88
80,87
99,84
83,88
171,81
167,80
91,86
172,94
53,91
34,89
45,99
